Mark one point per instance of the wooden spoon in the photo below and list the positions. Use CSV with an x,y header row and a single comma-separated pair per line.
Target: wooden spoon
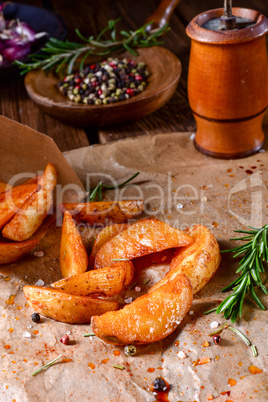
x,y
165,70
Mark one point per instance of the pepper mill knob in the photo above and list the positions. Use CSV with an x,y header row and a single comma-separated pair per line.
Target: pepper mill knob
x,y
228,20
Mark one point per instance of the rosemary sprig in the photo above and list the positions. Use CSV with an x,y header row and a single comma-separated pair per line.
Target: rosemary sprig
x,y
64,55
254,254
97,191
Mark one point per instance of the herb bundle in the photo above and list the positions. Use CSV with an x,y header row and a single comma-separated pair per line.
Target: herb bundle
x,y
63,55
254,254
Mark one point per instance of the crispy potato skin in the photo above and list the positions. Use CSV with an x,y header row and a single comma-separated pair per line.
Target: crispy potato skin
x,y
103,236
12,200
33,212
104,212
64,307
105,281
198,261
73,255
11,252
4,187
143,237
149,318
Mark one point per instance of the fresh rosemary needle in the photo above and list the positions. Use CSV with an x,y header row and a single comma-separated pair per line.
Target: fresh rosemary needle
x,y
254,255
97,191
46,366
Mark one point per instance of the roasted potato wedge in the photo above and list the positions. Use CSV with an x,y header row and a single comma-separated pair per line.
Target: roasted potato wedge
x,y
33,212
103,236
12,200
143,237
73,255
48,180
104,212
199,261
11,252
105,281
28,219
149,318
64,307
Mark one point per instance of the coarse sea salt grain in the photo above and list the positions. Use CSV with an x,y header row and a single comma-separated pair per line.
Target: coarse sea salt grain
x,y
27,335
181,354
39,254
29,326
179,206
39,283
128,300
192,136
191,312
214,324
138,289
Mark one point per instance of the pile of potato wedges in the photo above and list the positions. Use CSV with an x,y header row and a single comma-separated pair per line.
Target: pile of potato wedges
x,y
85,294
88,292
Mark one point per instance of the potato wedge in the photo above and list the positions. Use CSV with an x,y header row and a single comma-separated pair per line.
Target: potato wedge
x,y
48,180
199,261
64,307
34,210
144,237
104,212
12,200
73,255
149,318
105,281
11,252
103,236
28,219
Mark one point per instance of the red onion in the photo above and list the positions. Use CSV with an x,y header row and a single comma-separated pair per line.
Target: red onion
x,y
16,39
12,53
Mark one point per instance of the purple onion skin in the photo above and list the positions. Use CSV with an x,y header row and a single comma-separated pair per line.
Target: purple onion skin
x,y
24,31
16,52
3,46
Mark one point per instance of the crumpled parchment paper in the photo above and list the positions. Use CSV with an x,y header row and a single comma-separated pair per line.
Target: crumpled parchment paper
x,y
181,187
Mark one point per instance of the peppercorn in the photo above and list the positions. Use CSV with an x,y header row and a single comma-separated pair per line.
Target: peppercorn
x,y
110,81
130,350
35,317
160,385
216,339
65,340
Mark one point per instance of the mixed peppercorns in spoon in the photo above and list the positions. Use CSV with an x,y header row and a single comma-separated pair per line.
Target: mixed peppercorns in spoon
x,y
109,81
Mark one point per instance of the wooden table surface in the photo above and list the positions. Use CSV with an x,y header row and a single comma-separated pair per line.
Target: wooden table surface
x,y
90,17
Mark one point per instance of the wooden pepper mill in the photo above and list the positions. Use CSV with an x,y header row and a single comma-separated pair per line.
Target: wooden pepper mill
x,y
228,80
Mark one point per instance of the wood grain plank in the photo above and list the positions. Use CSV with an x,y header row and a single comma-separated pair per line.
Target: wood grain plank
x,y
15,104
